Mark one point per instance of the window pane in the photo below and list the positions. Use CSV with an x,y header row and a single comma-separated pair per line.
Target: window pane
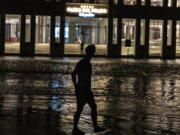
x,y
83,31
129,2
178,3
115,21
178,38
28,28
155,36
42,45
57,29
128,36
101,1
143,2
170,3
115,2
157,3
169,33
142,32
12,33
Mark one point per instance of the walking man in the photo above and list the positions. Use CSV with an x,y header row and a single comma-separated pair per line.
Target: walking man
x,y
83,71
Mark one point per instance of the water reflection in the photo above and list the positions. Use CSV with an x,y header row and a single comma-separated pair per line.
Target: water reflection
x,y
132,104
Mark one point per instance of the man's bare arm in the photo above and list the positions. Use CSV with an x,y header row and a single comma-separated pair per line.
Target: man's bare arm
x,y
74,77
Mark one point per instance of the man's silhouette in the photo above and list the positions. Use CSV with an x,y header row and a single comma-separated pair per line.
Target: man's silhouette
x,y
83,92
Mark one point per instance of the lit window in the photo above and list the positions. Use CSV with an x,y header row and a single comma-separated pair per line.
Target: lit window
x,y
178,38
155,37
101,1
170,3
143,2
157,3
178,3
115,22
129,2
115,1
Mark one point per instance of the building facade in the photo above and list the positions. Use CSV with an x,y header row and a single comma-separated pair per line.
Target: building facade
x,y
118,28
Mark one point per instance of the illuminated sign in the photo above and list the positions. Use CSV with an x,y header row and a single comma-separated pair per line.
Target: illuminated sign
x,y
86,10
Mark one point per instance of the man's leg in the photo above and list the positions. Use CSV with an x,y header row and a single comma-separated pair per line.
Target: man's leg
x,y
93,107
80,105
77,115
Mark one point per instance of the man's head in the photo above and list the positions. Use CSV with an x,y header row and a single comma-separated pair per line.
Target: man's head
x,y
90,50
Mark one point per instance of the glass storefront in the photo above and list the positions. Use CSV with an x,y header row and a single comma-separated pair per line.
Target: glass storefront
x,y
157,3
142,32
28,29
12,34
42,45
57,29
170,3
178,3
155,37
80,32
129,2
178,38
128,36
143,2
115,24
169,33
87,1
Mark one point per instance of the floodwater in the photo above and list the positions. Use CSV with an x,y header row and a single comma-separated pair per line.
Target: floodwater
x,y
132,99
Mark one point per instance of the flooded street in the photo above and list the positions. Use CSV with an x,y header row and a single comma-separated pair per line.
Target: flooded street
x,y
133,97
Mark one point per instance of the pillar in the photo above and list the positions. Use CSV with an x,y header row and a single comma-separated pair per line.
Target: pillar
x,y
110,31
33,34
52,35
146,46
173,41
27,49
2,34
138,48
22,39
119,35
164,51
62,34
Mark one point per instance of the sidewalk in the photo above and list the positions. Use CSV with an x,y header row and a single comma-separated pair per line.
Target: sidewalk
x,y
105,66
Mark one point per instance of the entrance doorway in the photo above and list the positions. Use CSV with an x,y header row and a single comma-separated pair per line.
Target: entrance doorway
x,y
79,32
42,45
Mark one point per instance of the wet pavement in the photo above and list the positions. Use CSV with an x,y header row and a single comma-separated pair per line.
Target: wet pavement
x,y
134,97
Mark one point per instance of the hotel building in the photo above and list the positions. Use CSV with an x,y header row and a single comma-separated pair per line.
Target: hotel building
x,y
118,28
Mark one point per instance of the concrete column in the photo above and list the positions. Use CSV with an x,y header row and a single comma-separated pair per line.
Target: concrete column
x,y
22,36
146,46
2,34
62,34
110,31
119,35
27,48
174,3
33,34
164,42
173,41
52,35
138,50
165,3
120,2
138,2
148,2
